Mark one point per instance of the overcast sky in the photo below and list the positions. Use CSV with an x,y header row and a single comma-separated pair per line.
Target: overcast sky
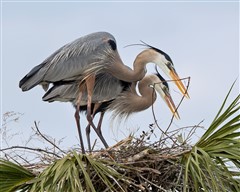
x,y
201,38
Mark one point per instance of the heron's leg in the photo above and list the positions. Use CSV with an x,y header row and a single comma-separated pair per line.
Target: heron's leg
x,y
98,129
77,118
96,106
90,81
99,134
88,130
100,123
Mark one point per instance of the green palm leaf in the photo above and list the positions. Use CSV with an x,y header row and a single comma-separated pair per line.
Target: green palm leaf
x,y
74,172
14,177
214,161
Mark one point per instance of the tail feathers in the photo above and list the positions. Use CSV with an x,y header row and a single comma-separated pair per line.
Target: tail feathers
x,y
57,93
50,95
31,79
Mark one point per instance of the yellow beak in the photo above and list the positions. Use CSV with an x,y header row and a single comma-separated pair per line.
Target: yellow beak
x,y
179,83
168,99
171,105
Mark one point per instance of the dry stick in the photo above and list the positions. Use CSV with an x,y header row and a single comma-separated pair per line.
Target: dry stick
x,y
159,187
19,156
192,131
154,116
179,102
31,149
94,144
47,138
9,157
187,127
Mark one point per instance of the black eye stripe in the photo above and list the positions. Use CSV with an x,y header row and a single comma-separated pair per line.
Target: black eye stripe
x,y
159,51
112,44
163,53
164,82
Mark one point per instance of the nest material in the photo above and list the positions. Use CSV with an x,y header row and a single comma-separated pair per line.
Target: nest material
x,y
151,167
144,166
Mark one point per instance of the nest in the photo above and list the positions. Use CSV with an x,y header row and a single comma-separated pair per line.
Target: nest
x,y
142,165
150,167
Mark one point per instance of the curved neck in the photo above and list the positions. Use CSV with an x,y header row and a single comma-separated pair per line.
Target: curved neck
x,y
129,101
148,95
123,72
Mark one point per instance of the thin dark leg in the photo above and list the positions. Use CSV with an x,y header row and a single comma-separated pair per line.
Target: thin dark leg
x,y
100,123
90,81
99,135
88,137
77,118
98,129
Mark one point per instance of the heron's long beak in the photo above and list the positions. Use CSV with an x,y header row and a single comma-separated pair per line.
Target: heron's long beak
x,y
171,106
168,99
179,83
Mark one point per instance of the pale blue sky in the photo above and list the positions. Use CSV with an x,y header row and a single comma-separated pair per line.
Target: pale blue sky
x,y
201,38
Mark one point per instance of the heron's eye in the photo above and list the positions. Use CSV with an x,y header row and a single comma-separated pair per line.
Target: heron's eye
x,y
152,86
112,44
169,64
165,88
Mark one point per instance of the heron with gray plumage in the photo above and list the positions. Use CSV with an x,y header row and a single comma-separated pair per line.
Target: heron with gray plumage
x,y
122,104
81,60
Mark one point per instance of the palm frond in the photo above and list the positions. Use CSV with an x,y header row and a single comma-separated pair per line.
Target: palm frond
x,y
213,164
74,172
14,177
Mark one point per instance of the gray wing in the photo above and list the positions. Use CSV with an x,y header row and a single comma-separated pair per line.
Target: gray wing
x,y
106,88
87,54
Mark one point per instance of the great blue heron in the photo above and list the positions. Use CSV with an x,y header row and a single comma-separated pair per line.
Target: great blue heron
x,y
122,103
81,60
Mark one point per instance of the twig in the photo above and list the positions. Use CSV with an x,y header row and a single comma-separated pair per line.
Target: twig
x,y
192,131
31,149
25,160
179,102
154,116
9,157
159,187
36,126
179,176
186,127
138,155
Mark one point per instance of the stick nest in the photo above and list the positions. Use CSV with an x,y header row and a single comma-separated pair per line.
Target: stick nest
x,y
143,165
151,167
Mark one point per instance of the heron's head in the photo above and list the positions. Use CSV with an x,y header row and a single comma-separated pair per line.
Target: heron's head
x,y
161,86
163,61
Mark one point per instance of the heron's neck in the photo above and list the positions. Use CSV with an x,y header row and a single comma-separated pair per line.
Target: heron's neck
x,y
141,103
129,101
147,95
123,72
